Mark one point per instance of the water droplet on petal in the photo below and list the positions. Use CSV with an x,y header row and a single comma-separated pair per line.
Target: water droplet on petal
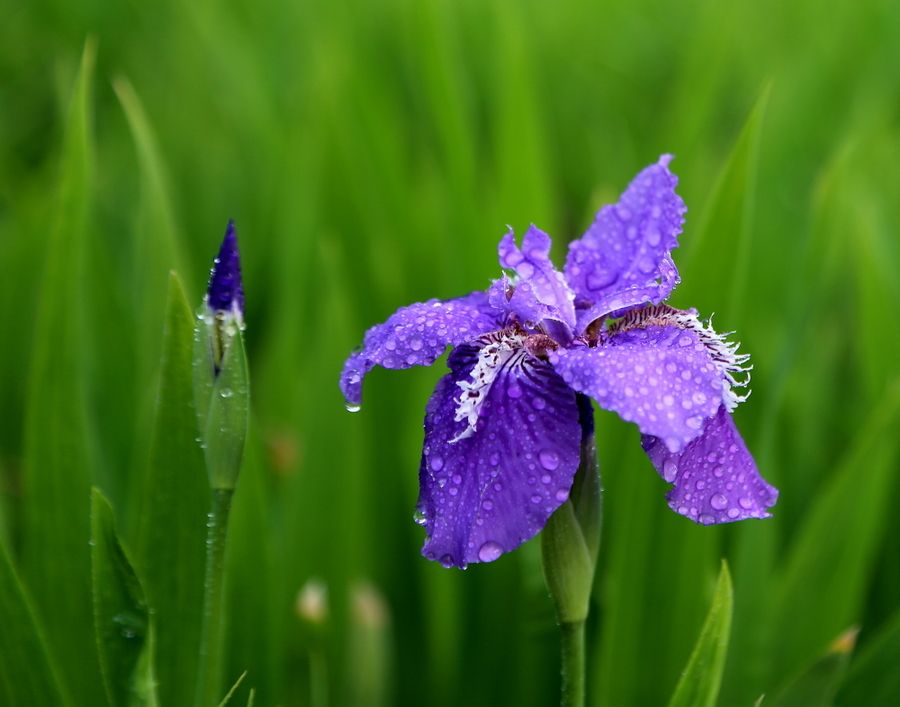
x,y
514,391
436,463
549,459
419,517
745,502
352,407
489,551
539,403
719,502
562,495
415,343
670,470
447,560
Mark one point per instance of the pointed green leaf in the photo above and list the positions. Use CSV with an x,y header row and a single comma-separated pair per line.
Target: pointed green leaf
x,y
27,673
722,241
173,521
58,457
873,678
837,559
702,677
120,611
816,684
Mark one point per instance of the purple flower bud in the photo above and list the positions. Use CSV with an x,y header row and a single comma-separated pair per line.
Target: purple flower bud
x,y
226,292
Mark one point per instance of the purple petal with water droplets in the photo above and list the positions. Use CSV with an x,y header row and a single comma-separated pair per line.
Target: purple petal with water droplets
x,y
541,291
417,335
624,258
715,477
660,377
485,494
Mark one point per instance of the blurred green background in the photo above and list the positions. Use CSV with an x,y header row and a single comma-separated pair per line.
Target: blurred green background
x,y
371,155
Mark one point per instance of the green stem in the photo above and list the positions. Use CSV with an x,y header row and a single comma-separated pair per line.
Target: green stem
x,y
209,672
572,664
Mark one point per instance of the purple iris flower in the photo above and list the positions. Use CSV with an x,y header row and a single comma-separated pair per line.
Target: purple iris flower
x,y
502,428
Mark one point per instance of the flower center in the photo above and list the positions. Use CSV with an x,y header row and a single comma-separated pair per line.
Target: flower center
x,y
499,350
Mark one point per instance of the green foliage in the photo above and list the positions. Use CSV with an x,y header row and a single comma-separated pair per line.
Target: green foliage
x,y
121,617
175,496
702,677
28,675
371,155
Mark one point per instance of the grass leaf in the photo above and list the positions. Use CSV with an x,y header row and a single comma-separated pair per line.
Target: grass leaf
x,y
58,455
702,677
120,611
27,673
172,531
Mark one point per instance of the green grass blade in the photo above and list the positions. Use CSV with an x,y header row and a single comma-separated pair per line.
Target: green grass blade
x,y
873,678
27,673
702,677
172,532
58,457
120,611
717,253
836,557
816,685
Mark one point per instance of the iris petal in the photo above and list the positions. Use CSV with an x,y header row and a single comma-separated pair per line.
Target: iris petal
x,y
417,335
624,258
484,494
715,477
541,291
660,377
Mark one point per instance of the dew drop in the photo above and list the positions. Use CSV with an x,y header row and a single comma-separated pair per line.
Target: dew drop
x,y
745,502
415,343
489,551
436,463
226,393
670,470
546,479
539,403
487,505
549,459
719,502
352,407
562,495
447,560
514,392
535,499
419,517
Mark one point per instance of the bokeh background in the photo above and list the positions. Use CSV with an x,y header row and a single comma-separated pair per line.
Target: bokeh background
x,y
371,155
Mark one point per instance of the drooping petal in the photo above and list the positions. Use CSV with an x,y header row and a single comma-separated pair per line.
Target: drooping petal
x,y
624,258
660,377
541,292
715,477
417,335
485,493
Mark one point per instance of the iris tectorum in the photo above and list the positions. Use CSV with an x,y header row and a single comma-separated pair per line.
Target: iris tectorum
x,y
501,429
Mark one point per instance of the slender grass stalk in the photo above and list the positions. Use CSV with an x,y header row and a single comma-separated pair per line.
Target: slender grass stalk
x,y
209,672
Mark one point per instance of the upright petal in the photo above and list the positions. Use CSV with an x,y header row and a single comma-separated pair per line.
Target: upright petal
x,y
624,259
660,377
541,292
715,477
486,493
416,335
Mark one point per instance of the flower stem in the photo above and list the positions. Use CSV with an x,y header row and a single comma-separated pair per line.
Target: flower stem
x,y
209,671
569,544
572,664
